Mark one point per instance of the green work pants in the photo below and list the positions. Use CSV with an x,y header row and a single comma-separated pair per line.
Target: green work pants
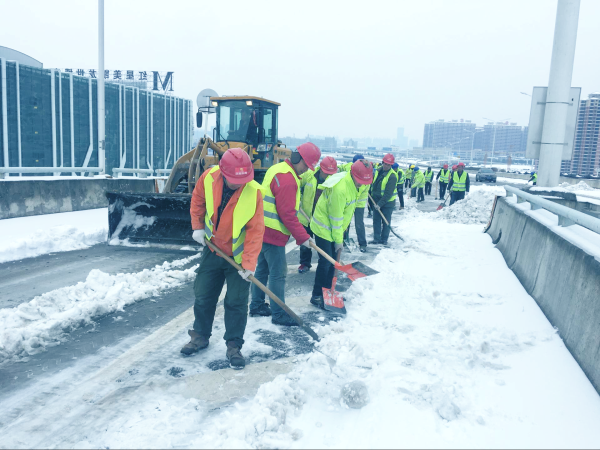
x,y
210,278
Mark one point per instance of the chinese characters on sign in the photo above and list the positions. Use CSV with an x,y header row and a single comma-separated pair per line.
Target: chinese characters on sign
x,y
156,81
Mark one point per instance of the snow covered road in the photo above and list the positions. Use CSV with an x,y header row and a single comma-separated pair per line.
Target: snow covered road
x,y
452,350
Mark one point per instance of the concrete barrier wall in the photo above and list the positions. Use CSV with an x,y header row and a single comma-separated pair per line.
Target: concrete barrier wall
x,y
33,197
563,279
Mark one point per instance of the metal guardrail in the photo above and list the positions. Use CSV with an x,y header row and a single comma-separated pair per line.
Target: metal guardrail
x,y
143,172
166,171
9,170
566,216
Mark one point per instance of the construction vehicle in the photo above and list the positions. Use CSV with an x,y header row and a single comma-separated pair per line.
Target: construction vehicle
x,y
246,122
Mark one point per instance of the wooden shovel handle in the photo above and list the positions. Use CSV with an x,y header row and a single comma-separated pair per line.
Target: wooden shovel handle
x,y
379,211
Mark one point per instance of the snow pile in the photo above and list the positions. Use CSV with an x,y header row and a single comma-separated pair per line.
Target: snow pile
x,y
30,327
475,208
27,237
566,187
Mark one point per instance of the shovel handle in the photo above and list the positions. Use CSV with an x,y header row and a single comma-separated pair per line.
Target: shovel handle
x,y
266,290
324,254
379,211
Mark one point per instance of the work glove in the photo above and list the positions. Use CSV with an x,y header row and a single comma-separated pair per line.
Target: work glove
x,y
308,242
337,247
198,236
245,274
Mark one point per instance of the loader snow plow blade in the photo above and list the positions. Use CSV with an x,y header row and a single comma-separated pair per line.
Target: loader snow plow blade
x,y
155,219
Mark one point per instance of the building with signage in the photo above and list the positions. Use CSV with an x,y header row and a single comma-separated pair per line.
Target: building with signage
x,y
49,118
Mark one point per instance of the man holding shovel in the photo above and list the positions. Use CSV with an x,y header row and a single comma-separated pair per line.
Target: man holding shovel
x,y
227,210
384,194
332,216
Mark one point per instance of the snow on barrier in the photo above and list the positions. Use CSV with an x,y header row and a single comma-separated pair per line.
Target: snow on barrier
x,y
20,198
558,269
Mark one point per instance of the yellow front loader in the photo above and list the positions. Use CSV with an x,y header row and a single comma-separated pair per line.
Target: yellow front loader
x,y
245,122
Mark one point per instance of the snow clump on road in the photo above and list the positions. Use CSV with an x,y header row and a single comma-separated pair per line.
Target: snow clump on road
x,y
475,208
46,320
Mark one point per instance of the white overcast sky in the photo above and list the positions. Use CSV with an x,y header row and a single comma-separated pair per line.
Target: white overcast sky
x,y
341,68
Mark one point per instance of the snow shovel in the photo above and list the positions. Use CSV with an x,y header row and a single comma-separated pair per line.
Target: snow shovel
x,y
333,301
267,291
354,270
443,204
384,219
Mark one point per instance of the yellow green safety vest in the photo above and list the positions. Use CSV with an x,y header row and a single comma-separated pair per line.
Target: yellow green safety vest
x,y
244,211
535,177
401,176
408,174
459,183
363,190
444,175
272,219
419,180
384,184
429,176
308,186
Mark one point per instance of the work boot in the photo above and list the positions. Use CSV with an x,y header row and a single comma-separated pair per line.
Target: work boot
x,y
363,248
374,242
197,343
236,360
318,301
303,268
283,319
262,310
369,215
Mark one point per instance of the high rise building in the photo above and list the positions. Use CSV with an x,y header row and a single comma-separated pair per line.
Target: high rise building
x,y
586,152
455,135
503,138
401,140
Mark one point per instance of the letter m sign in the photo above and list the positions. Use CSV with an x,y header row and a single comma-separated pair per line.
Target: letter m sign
x,y
166,85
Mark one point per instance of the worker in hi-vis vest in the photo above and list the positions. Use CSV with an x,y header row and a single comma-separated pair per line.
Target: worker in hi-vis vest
x,y
459,183
309,182
333,214
444,177
418,184
281,188
359,212
226,209
384,193
428,179
533,178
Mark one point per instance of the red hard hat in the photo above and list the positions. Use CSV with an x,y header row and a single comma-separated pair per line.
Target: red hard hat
x,y
329,165
454,167
461,164
445,166
236,166
310,153
389,159
362,171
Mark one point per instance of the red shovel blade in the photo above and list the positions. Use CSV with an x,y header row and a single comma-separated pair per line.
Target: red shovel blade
x,y
440,207
333,301
356,270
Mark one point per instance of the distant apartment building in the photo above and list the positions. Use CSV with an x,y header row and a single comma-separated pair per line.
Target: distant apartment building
x,y
503,138
586,152
401,140
456,135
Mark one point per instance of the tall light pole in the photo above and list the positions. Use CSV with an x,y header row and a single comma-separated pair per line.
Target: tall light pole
x,y
100,94
559,87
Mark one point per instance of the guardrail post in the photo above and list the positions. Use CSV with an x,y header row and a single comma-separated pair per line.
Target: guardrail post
x,y
565,222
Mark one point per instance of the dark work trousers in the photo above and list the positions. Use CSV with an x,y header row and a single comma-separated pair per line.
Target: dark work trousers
x,y
306,253
210,277
443,187
413,192
325,269
271,267
359,225
400,190
381,231
456,196
420,196
407,183
427,188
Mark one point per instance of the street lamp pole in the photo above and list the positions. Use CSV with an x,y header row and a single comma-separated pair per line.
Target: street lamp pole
x,y
100,93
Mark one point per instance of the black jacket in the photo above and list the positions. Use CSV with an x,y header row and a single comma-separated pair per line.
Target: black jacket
x,y
390,188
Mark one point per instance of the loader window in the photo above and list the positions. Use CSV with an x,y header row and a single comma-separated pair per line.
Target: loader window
x,y
235,122
268,123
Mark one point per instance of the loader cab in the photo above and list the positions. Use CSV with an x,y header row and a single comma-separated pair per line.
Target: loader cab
x,y
245,119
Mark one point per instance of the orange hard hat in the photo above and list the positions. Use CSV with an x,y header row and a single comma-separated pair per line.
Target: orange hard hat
x,y
362,171
389,159
310,153
236,166
329,165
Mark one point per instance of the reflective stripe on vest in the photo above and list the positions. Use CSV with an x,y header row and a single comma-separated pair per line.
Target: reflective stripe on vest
x,y
459,183
272,219
242,213
384,184
445,177
428,176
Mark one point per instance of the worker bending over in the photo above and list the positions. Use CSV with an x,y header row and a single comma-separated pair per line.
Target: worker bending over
x,y
227,210
309,182
459,183
281,188
384,194
332,215
443,176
